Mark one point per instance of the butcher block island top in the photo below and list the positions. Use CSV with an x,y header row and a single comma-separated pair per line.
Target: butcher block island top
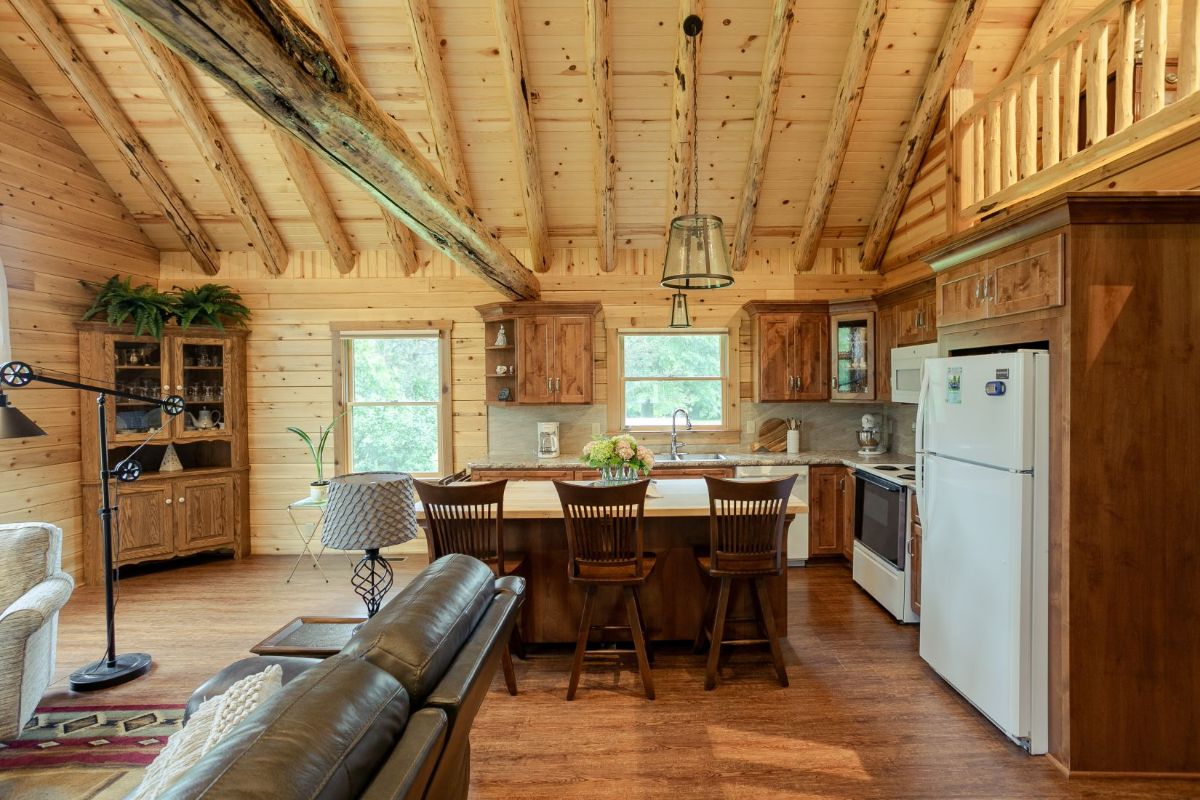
x,y
686,497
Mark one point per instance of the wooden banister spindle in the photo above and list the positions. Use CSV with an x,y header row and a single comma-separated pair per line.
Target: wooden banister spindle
x,y
978,139
1126,33
1097,83
1028,139
1189,49
993,148
1008,132
1050,111
1073,85
1154,58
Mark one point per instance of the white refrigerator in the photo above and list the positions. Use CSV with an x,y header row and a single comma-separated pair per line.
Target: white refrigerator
x,y
982,462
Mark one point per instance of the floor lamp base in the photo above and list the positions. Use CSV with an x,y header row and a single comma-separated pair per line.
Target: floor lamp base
x,y
99,675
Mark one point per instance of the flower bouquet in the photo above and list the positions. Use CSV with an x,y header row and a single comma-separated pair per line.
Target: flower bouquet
x,y
620,458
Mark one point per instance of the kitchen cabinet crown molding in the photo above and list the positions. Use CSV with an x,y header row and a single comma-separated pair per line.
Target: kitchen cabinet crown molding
x,y
537,308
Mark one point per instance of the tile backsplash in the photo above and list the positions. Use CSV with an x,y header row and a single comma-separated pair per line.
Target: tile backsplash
x,y
823,426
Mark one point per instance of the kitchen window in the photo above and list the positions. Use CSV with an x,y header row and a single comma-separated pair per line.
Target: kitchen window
x,y
393,386
660,371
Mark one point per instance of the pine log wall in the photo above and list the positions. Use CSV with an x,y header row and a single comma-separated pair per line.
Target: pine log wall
x,y
59,222
290,351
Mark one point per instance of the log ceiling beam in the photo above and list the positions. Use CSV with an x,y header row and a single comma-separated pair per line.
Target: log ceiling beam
x,y
782,15
264,54
427,60
206,133
1046,25
951,51
299,166
325,20
512,54
683,113
598,41
142,164
863,44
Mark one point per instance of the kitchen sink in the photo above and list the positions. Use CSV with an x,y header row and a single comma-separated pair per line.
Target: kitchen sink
x,y
697,457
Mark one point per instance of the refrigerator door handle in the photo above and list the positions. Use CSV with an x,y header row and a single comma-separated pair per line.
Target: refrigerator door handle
x,y
922,400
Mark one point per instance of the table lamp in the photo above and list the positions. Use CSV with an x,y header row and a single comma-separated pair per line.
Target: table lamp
x,y
368,511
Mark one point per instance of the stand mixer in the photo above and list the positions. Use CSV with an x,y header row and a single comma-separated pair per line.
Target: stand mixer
x,y
872,437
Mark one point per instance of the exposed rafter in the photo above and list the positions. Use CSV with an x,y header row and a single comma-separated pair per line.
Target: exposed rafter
x,y
782,14
1046,25
683,112
427,59
598,41
142,164
325,20
298,164
267,56
512,54
205,131
952,49
863,44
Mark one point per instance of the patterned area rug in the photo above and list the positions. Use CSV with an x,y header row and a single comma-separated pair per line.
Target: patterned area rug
x,y
92,736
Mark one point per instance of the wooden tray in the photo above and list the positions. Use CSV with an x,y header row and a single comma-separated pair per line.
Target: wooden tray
x,y
309,637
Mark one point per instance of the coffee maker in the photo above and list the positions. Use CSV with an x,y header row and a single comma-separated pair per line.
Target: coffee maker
x,y
547,440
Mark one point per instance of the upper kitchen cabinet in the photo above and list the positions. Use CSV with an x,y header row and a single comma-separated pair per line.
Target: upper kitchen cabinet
x,y
539,353
1027,276
852,343
790,342
916,320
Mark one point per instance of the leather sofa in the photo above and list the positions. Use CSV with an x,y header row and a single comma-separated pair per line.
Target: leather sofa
x,y
388,717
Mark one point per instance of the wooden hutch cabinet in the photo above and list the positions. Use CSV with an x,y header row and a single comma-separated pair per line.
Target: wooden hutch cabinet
x,y
205,505
546,354
790,342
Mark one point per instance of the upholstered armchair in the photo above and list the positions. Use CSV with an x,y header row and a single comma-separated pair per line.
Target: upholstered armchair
x,y
33,588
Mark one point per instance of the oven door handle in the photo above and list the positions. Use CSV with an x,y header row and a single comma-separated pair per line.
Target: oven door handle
x,y
882,484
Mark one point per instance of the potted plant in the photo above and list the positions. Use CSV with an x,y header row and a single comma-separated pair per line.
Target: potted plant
x,y
210,304
619,458
318,490
119,301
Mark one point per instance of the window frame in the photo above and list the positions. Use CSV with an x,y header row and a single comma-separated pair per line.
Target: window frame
x,y
342,335
730,427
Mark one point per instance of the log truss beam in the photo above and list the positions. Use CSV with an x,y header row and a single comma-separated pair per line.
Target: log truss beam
x,y
683,113
598,39
142,164
1046,25
782,16
949,56
264,54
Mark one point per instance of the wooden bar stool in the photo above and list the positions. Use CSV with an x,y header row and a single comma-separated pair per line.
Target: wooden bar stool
x,y
745,544
605,547
469,518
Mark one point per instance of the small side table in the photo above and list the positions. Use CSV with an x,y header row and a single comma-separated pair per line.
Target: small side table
x,y
309,637
306,536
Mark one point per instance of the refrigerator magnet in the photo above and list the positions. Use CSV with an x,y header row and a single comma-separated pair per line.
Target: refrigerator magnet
x,y
954,386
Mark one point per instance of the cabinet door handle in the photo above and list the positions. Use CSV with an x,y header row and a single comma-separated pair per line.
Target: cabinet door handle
x,y
182,499
990,287
166,388
978,289
549,385
168,501
833,383
179,388
558,384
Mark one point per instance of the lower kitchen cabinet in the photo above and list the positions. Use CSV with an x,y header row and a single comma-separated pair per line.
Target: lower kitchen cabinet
x,y
201,519
831,511
145,525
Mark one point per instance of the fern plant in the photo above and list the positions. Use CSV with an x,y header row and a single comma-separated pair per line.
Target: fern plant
x,y
120,301
210,304
317,449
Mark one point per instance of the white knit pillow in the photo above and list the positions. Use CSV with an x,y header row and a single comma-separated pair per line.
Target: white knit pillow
x,y
215,717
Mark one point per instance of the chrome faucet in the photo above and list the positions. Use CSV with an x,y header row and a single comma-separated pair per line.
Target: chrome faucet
x,y
674,431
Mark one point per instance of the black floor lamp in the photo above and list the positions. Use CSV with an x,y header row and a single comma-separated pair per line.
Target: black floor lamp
x,y
113,669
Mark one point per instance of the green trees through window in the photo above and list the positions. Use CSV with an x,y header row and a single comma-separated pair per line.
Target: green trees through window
x,y
394,390
665,371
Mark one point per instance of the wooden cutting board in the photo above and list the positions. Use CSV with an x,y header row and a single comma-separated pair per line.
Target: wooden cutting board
x,y
772,436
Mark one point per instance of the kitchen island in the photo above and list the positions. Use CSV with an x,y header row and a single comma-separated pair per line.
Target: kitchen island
x,y
673,597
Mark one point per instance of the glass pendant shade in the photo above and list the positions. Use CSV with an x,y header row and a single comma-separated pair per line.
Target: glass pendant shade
x,y
697,257
679,311
14,424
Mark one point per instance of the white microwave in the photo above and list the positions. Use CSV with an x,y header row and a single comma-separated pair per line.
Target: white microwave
x,y
907,365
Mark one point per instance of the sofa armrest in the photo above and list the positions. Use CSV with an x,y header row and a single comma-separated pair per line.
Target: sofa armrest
x,y
36,607
406,773
218,684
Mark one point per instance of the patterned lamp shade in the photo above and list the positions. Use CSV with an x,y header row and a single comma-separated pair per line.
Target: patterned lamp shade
x,y
369,510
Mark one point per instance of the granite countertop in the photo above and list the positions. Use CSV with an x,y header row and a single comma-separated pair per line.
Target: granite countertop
x,y
847,458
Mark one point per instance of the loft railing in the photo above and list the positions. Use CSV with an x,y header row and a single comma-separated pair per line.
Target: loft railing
x,y
1075,105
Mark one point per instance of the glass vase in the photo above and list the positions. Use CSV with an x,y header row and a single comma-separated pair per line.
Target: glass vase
x,y
615,476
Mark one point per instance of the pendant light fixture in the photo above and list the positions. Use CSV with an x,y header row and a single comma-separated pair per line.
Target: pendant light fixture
x,y
679,311
697,257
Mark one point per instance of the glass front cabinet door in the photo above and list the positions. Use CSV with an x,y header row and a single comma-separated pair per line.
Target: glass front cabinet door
x,y
201,378
139,367
853,338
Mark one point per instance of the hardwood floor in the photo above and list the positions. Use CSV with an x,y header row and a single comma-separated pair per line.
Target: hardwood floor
x,y
864,716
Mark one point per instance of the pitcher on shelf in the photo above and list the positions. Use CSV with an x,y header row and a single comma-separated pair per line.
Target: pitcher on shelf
x,y
205,420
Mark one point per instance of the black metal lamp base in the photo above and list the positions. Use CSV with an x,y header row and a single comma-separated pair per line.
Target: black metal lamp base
x,y
101,675
372,579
